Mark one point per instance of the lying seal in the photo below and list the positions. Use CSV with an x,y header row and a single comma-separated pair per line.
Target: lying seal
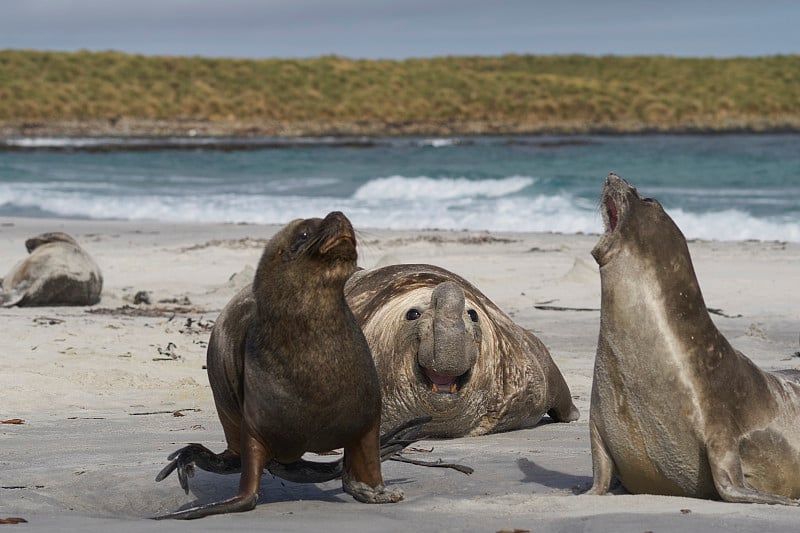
x,y
443,349
291,372
57,272
676,410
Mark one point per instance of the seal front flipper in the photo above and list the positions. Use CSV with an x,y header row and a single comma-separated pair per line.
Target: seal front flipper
x,y
255,457
362,477
563,409
194,455
237,504
602,464
15,295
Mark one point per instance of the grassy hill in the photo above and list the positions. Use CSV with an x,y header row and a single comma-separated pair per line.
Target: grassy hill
x,y
334,95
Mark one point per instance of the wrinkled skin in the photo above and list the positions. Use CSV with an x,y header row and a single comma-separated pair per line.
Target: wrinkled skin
x,y
444,350
57,272
291,372
676,410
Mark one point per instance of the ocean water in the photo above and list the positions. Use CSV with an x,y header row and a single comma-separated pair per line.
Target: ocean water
x,y
723,187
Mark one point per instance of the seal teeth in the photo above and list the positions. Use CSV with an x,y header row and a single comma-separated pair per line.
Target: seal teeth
x,y
452,390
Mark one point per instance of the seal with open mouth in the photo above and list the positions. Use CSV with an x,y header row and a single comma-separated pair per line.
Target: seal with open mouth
x,y
443,349
675,409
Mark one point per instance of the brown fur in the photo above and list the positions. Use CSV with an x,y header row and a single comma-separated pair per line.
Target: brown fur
x,y
290,369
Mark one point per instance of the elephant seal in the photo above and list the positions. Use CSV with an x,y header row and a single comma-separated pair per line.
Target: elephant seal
x,y
443,349
57,272
675,410
291,371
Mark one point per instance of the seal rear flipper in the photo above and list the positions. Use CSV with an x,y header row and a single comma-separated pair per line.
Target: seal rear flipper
x,y
789,374
185,459
13,297
391,443
303,471
399,437
728,477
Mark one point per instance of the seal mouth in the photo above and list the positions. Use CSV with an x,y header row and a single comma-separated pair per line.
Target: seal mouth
x,y
344,237
441,384
613,214
613,201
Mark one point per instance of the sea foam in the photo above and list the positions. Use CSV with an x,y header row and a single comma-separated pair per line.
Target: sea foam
x,y
401,187
395,202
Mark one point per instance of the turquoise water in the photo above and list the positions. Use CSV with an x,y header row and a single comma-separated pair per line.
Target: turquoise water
x,y
727,187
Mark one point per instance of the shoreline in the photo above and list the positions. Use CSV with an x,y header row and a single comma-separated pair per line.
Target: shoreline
x,y
241,131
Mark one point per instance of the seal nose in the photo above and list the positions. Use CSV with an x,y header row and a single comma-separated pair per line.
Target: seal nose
x,y
338,220
336,216
448,351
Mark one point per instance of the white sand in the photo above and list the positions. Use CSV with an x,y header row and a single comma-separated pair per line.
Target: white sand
x,y
84,460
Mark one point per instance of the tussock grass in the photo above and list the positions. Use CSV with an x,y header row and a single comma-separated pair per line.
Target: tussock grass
x,y
523,92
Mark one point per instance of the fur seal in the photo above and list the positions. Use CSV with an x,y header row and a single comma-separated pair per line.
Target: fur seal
x,y
57,272
291,372
675,410
443,349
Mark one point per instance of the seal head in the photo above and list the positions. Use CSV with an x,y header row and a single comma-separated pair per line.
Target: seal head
x,y
443,349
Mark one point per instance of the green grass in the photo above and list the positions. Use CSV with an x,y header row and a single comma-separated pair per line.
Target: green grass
x,y
523,92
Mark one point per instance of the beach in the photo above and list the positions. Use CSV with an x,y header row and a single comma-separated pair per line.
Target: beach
x,y
106,392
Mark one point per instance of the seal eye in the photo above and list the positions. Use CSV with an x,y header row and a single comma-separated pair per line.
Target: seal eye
x,y
473,315
299,241
413,314
648,200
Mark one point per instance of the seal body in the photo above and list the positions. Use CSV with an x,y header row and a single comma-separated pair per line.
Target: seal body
x,y
291,371
57,272
675,409
443,349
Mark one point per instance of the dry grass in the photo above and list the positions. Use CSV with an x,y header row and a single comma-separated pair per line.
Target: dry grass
x,y
578,92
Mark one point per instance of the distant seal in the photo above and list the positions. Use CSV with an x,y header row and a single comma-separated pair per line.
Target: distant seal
x,y
57,272
676,410
291,371
443,349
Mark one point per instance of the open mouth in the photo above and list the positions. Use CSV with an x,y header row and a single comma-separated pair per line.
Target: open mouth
x,y
613,214
441,384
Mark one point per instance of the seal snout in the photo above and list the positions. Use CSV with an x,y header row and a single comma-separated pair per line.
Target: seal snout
x,y
339,230
448,349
